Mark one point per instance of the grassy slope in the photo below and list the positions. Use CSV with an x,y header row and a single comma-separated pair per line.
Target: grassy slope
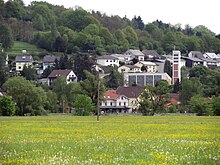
x,y
19,46
112,140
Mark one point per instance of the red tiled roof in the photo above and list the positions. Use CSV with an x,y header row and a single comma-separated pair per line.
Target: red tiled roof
x,y
58,73
111,95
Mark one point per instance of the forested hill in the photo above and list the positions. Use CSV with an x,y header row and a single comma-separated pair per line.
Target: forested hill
x,y
58,29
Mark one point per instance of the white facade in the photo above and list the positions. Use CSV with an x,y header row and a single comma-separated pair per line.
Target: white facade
x,y
121,101
135,53
71,77
150,66
130,68
107,61
176,65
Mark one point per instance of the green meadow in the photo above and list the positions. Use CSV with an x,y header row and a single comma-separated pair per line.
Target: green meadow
x,y
64,139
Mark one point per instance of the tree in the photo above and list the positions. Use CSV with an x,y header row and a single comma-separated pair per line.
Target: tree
x,y
3,68
131,36
28,97
6,38
81,63
114,79
51,103
29,73
7,106
160,91
146,101
167,68
176,86
77,19
90,85
200,105
60,88
38,22
83,105
189,88
216,106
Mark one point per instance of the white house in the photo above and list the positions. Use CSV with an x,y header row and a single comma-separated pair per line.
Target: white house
x,y
114,102
210,55
136,53
21,61
129,68
195,54
124,58
107,60
68,74
150,66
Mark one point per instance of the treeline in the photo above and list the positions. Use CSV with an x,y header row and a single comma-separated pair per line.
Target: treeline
x,y
58,29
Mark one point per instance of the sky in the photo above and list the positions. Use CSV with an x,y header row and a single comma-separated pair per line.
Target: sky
x,y
192,12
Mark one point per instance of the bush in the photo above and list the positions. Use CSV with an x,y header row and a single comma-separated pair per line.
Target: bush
x,y
7,106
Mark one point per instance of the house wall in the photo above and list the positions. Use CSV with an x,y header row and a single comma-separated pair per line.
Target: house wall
x,y
69,76
109,103
20,65
47,64
108,62
133,104
125,69
122,101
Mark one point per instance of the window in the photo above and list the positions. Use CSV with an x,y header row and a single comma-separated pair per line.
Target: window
x,y
119,103
111,103
105,103
106,60
124,103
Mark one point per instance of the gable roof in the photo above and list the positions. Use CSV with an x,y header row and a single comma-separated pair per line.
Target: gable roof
x,y
58,73
196,54
130,92
193,59
23,59
107,57
210,55
111,95
131,66
134,52
147,63
50,58
150,53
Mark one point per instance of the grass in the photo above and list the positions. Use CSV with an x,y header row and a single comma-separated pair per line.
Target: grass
x,y
113,140
19,46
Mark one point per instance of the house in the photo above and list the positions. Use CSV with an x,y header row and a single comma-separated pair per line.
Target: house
x,y
173,100
123,58
136,54
151,54
141,79
49,61
132,93
21,61
195,54
210,55
129,68
68,74
150,67
107,60
210,63
193,61
114,102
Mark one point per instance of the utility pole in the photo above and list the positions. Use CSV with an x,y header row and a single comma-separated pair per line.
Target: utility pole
x,y
98,104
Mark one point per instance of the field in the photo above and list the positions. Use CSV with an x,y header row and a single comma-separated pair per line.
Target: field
x,y
19,46
113,140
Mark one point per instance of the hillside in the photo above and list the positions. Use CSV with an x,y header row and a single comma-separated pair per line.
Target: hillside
x,y
19,46
57,29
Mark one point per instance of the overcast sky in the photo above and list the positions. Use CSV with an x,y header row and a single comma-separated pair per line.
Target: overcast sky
x,y
192,12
